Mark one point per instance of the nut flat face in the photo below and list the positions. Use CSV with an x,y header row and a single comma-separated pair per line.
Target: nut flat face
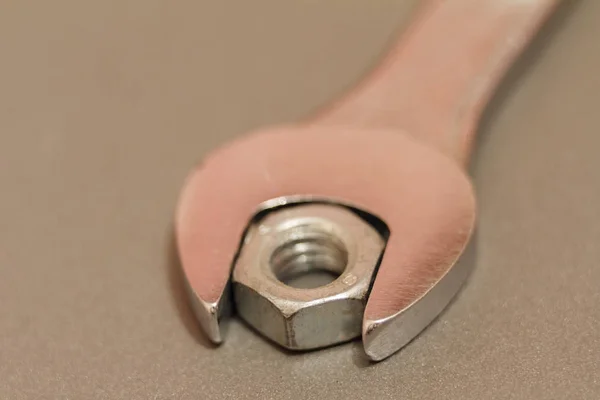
x,y
297,240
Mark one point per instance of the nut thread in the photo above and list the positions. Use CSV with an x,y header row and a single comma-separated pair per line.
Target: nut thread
x,y
307,249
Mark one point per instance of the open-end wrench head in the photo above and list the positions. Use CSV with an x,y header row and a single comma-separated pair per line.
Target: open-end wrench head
x,y
423,196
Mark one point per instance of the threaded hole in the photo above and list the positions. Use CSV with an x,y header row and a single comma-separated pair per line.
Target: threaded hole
x,y
309,258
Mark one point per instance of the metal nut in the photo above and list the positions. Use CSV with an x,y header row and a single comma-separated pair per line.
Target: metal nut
x,y
296,240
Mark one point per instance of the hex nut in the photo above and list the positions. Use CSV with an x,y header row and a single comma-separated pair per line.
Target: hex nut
x,y
299,239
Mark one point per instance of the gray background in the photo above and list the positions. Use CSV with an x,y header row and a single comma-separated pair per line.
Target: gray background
x,y
104,108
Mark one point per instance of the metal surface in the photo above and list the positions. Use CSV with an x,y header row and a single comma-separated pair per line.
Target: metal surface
x,y
294,241
406,135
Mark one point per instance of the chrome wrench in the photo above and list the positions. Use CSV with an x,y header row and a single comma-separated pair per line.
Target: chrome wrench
x,y
395,147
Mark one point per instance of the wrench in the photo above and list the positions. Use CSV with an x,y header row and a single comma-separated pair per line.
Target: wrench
x,y
396,146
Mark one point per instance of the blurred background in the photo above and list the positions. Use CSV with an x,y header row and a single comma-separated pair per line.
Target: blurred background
x,y
106,106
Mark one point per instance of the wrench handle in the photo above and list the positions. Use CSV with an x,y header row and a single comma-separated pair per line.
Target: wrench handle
x,y
437,79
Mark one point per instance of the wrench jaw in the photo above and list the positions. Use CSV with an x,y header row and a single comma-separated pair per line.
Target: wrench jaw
x,y
423,196
383,336
207,315
211,315
428,269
